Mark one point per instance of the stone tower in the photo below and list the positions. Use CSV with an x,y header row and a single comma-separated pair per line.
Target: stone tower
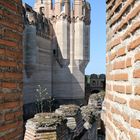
x,y
70,44
56,49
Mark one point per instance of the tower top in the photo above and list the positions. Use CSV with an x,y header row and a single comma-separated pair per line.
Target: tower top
x,y
81,8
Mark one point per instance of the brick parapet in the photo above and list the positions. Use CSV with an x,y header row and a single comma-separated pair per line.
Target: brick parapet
x,y
11,60
121,109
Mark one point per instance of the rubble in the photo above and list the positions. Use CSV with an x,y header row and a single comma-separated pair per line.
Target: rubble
x,y
45,126
68,122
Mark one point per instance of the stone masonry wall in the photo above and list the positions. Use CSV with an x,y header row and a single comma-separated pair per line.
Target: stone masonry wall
x,y
121,108
10,70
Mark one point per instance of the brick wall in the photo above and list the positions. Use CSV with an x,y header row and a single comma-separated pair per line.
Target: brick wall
x,y
10,70
121,108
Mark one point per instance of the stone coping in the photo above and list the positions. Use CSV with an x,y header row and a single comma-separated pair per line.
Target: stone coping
x,y
68,110
45,121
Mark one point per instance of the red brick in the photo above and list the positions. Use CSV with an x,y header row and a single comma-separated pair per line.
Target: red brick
x,y
108,87
9,85
9,116
10,105
9,6
120,77
2,51
17,132
112,56
107,105
11,52
137,57
8,43
133,136
110,96
8,63
128,90
128,62
120,126
135,104
121,52
18,113
120,100
109,116
115,111
134,44
10,126
125,116
9,97
137,90
114,43
119,88
109,126
121,12
135,123
119,65
13,75
136,73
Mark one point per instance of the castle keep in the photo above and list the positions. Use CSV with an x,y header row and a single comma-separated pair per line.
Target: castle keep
x,y
56,48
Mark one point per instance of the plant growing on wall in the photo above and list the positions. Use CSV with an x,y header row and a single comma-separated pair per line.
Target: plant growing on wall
x,y
50,102
40,96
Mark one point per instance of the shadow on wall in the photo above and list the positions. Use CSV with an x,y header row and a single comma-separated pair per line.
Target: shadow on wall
x,y
44,65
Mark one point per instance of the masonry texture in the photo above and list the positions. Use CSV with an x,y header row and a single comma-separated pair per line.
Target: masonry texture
x,y
68,122
11,28
56,50
121,108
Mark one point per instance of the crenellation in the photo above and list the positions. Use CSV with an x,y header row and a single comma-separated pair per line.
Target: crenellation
x,y
38,20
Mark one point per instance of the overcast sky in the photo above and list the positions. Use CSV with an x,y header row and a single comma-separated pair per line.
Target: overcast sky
x,y
98,36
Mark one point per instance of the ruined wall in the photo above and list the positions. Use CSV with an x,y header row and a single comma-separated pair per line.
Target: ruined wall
x,y
11,28
121,109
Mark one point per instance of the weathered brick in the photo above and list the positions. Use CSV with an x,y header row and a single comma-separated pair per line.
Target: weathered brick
x,y
120,100
136,73
119,88
9,126
119,65
114,43
128,62
9,85
115,111
122,69
134,44
112,56
125,116
121,52
120,126
9,116
110,97
135,123
134,136
10,71
137,57
135,104
137,90
128,89
120,77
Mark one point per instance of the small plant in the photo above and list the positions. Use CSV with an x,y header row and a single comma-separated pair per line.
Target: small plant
x,y
40,96
50,101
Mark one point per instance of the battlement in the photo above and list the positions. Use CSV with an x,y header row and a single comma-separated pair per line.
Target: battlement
x,y
79,10
38,20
